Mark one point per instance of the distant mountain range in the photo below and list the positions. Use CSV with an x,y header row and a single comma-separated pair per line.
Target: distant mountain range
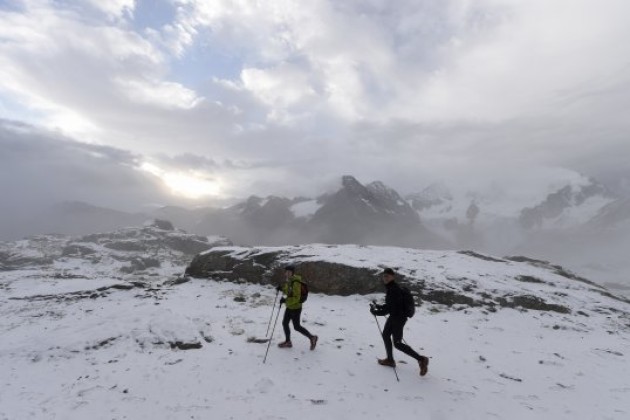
x,y
371,214
575,222
368,214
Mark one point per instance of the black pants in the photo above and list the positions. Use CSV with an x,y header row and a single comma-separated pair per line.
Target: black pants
x,y
293,315
394,328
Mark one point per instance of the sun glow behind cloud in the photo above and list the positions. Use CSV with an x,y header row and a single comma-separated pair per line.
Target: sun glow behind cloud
x,y
190,184
447,83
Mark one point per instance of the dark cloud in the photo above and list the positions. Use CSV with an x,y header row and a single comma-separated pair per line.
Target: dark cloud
x,y
39,169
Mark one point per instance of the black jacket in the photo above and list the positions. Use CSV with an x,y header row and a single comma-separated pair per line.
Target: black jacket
x,y
394,302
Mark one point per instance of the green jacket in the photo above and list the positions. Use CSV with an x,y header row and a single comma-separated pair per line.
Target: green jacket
x,y
292,291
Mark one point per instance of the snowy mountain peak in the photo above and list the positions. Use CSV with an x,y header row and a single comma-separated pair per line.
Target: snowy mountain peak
x,y
349,182
385,193
374,214
571,205
613,215
435,195
374,200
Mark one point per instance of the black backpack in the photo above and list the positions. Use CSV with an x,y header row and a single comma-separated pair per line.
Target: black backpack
x,y
408,302
303,291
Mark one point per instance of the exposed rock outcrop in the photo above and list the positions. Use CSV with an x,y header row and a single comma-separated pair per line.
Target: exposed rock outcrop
x,y
128,251
439,277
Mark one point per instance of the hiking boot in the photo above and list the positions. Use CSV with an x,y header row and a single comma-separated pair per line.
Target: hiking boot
x,y
387,362
424,365
285,345
313,342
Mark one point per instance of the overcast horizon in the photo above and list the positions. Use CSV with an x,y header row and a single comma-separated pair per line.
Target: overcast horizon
x,y
128,103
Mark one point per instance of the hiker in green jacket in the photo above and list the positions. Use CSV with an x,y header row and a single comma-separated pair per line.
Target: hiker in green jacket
x,y
292,290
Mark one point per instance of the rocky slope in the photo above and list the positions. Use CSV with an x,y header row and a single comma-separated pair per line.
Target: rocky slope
x,y
447,278
135,251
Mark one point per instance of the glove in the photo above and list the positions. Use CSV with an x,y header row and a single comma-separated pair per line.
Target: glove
x,y
373,310
282,301
279,288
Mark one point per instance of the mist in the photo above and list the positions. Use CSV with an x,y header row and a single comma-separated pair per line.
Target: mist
x,y
183,111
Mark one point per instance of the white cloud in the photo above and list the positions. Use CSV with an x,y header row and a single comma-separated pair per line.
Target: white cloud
x,y
114,8
366,87
48,57
526,63
159,93
103,83
282,89
435,61
189,184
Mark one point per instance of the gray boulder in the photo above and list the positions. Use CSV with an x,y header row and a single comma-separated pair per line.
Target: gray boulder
x,y
161,224
266,266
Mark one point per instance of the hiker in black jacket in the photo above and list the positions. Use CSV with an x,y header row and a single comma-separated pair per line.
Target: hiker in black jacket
x,y
395,307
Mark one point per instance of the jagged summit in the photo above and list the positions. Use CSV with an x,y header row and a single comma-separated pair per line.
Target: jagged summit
x,y
571,205
613,215
436,194
373,214
349,182
354,213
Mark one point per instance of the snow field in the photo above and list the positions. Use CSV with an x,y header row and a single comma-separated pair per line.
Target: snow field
x,y
108,358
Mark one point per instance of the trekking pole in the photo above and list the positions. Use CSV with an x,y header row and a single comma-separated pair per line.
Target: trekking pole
x,y
272,310
272,330
381,332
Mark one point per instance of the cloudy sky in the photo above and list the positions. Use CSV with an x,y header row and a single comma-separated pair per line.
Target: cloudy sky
x,y
184,100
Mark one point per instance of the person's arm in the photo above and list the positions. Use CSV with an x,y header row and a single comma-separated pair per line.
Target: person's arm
x,y
378,310
283,288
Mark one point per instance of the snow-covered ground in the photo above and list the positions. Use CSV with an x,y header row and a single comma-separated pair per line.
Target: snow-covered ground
x,y
70,351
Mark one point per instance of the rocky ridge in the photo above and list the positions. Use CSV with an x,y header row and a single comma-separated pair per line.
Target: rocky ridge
x,y
134,250
453,279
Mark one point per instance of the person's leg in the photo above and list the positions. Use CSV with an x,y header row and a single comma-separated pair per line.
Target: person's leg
x,y
423,361
387,333
397,331
285,324
295,317
299,328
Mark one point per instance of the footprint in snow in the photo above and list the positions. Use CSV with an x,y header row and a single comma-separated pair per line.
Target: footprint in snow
x,y
263,386
318,402
558,385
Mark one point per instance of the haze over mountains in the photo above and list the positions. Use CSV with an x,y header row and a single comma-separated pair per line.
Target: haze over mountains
x,y
572,220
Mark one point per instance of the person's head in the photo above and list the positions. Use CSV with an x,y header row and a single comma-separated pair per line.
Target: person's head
x,y
388,275
289,270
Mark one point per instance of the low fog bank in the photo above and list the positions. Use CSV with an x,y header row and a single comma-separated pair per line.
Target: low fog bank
x,y
68,218
598,254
